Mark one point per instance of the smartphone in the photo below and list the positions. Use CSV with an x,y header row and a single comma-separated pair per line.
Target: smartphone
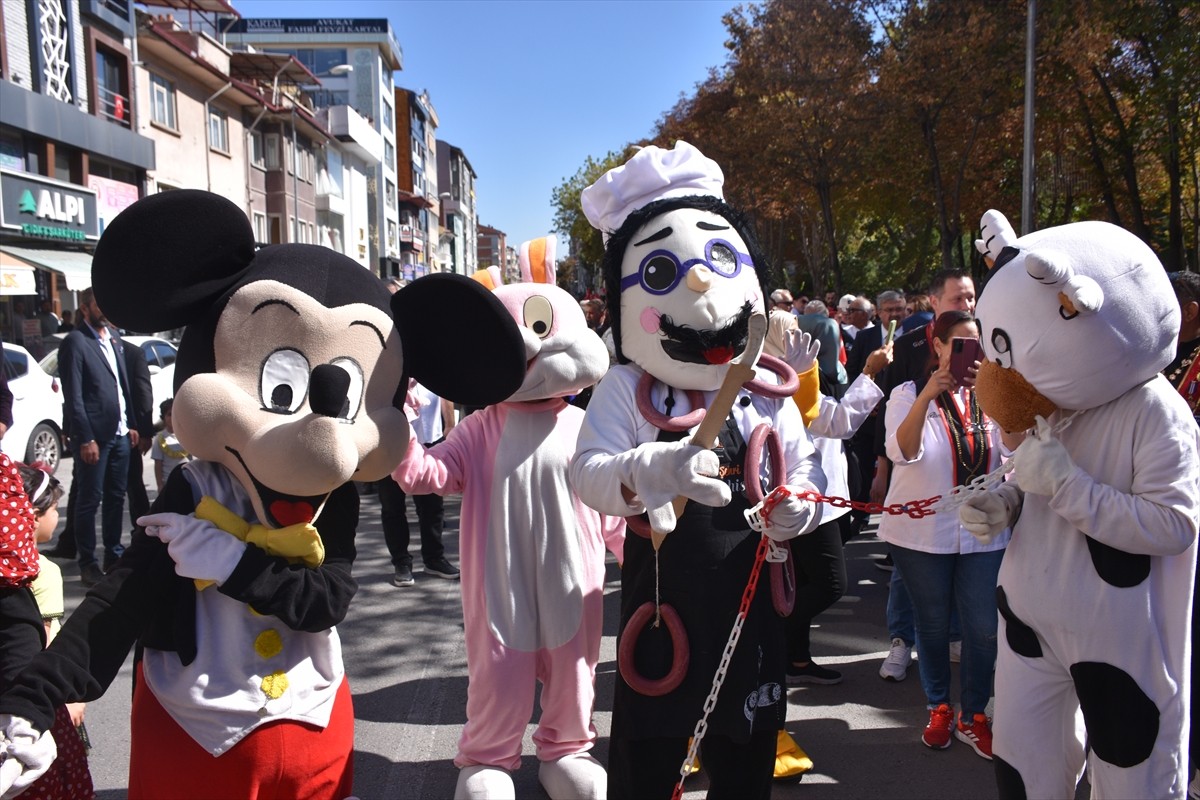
x,y
963,355
891,334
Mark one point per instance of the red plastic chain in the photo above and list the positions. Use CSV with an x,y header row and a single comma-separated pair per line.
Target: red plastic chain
x,y
913,508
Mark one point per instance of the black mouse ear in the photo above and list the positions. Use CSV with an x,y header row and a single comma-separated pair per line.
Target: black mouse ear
x,y
460,342
169,257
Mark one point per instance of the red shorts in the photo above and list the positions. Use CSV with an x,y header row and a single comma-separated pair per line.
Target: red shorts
x,y
284,759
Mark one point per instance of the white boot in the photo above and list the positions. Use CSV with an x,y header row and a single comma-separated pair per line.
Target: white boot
x,y
574,777
481,782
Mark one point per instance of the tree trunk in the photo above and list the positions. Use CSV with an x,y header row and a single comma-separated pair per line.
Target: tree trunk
x,y
1127,158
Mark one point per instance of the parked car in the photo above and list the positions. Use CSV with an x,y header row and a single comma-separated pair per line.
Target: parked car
x,y
36,432
160,357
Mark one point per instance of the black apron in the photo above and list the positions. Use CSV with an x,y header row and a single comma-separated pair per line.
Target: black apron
x,y
704,566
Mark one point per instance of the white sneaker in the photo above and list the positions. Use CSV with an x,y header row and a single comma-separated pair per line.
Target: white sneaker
x,y
895,666
956,652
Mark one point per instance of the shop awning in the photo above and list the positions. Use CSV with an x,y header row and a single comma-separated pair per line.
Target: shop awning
x,y
75,265
16,277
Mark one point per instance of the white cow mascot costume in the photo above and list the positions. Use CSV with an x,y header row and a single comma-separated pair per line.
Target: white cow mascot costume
x,y
1095,590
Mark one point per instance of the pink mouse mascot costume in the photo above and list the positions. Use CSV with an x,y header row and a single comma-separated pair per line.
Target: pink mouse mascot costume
x,y
1095,588
286,392
532,554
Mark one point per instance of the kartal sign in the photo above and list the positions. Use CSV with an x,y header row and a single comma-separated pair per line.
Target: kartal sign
x,y
42,208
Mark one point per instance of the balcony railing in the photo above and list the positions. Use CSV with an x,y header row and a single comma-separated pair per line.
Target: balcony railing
x,y
113,107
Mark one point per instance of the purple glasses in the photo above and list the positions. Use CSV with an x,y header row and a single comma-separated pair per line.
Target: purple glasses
x,y
661,271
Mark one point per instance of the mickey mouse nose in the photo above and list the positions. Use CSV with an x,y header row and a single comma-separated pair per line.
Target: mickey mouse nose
x,y
327,390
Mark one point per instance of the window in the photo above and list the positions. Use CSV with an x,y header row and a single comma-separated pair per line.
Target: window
x,y
260,227
257,157
389,154
387,115
112,91
218,130
272,150
389,189
162,101
292,229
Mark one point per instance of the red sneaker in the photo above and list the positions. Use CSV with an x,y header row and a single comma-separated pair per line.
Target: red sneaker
x,y
977,733
941,724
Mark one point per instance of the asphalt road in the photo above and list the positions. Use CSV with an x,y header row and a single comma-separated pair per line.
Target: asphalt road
x,y
405,657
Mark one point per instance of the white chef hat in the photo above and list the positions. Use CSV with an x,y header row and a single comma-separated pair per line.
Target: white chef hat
x,y
653,173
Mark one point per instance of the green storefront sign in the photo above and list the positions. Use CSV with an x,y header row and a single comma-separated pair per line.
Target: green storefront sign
x,y
42,208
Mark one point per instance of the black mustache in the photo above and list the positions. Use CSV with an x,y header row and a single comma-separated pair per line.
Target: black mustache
x,y
732,335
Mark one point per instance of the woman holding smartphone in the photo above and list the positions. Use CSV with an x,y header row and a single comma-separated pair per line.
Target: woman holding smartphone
x,y
938,438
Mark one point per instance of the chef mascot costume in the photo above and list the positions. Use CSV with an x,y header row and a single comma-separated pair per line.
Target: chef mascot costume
x,y
286,391
532,554
1096,585
686,282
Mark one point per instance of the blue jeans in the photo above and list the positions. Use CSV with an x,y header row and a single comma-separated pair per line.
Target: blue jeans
x,y
936,583
103,481
900,612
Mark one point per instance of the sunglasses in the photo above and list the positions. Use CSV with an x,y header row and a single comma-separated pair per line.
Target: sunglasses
x,y
661,270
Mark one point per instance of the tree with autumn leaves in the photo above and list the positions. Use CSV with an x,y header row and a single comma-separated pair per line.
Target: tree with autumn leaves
x,y
866,137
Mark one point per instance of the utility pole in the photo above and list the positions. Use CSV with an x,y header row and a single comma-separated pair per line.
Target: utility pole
x,y
1027,166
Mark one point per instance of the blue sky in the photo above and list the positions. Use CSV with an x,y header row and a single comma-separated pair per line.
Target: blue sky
x,y
530,88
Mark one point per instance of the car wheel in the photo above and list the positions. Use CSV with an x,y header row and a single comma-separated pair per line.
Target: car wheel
x,y
44,446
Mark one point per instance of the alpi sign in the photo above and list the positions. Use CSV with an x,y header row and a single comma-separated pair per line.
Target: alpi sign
x,y
42,208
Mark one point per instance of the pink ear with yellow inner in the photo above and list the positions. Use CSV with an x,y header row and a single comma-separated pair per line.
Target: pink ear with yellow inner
x,y
537,260
489,277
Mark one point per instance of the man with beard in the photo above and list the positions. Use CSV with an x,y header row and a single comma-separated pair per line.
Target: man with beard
x,y
684,275
99,411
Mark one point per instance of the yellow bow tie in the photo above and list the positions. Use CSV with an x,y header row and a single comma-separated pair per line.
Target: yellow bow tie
x,y
297,543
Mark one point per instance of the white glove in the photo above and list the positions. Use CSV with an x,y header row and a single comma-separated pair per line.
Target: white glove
x,y
658,472
986,514
1041,464
200,549
25,755
800,350
793,515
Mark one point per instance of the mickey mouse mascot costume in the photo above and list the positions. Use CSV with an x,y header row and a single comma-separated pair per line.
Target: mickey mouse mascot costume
x,y
286,391
685,279
1096,585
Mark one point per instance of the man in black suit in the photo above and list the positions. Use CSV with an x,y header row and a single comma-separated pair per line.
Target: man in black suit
x,y
98,407
143,411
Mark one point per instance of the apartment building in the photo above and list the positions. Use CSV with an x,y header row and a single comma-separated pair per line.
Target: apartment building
x,y
353,59
456,178
416,171
71,156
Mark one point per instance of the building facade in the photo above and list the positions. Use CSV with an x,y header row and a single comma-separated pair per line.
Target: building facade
x,y
416,168
458,242
71,157
354,60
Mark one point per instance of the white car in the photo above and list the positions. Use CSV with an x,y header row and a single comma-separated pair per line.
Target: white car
x,y
36,432
160,357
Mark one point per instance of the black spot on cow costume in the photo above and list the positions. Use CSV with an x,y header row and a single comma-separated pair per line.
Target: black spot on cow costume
x,y
1096,585
287,389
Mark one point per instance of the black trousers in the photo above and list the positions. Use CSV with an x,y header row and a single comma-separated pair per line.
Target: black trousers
x,y
430,519
820,562
648,769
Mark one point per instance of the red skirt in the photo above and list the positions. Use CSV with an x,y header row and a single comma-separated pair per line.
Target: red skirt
x,y
283,759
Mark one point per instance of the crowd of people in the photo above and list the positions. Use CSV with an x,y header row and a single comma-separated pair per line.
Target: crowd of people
x,y
880,409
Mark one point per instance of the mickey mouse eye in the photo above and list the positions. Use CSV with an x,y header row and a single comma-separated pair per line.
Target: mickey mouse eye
x,y
658,273
283,384
354,392
1002,348
539,315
